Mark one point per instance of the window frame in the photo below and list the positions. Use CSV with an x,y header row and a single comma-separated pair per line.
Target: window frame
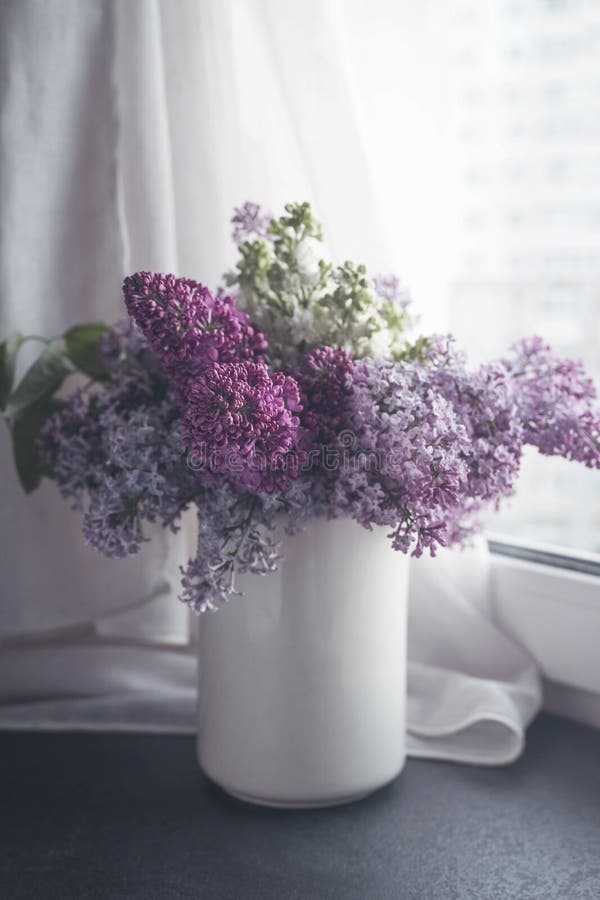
x,y
548,599
565,558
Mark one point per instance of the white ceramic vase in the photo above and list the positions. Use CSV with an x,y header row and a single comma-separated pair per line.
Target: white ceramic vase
x,y
303,680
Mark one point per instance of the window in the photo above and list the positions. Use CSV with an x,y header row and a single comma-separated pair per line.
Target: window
x,y
533,223
482,132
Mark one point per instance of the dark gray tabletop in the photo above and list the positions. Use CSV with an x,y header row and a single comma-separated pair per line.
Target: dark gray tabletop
x,y
130,816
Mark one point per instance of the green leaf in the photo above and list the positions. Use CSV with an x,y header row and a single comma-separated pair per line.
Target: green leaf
x,y
81,344
41,380
8,358
24,432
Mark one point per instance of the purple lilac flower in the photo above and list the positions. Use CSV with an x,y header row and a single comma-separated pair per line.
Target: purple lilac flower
x,y
484,403
325,380
229,541
121,340
432,443
189,412
554,398
70,445
117,454
71,442
187,327
391,289
240,533
403,455
249,221
529,397
241,422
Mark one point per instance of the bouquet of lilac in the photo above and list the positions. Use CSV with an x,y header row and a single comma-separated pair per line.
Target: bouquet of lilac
x,y
290,392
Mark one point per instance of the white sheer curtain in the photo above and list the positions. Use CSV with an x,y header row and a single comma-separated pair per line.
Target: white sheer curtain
x,y
130,130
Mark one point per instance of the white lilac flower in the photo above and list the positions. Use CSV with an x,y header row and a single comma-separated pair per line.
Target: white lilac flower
x,y
307,256
302,326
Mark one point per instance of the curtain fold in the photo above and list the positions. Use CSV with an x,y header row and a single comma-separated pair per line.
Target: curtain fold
x,y
471,689
129,132
145,162
62,258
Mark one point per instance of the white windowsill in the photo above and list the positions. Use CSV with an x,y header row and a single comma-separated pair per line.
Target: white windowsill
x,y
554,614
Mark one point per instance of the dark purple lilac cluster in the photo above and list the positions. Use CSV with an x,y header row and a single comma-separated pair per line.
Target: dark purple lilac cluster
x,y
325,378
187,327
241,423
239,420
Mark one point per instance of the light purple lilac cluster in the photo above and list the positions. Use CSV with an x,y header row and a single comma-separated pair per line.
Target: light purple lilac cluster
x,y
554,398
237,533
427,444
250,220
116,451
403,453
390,288
193,411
